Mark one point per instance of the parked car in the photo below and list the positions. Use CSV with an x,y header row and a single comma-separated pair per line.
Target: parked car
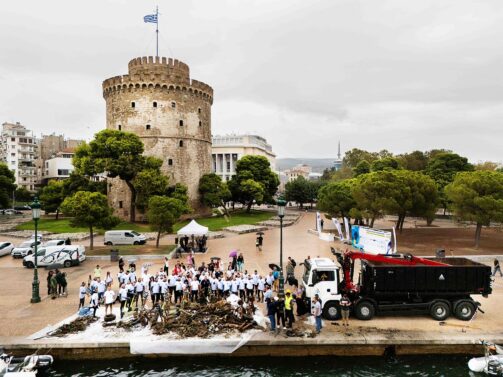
x,y
22,208
124,237
6,248
24,249
68,255
11,211
54,243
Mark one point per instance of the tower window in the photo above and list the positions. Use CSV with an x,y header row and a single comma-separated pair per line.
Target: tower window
x,y
133,105
173,104
119,127
200,123
154,104
199,110
181,123
170,162
120,204
147,126
180,143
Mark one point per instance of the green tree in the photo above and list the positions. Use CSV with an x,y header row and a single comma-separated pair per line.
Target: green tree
x,y
442,167
487,165
363,167
254,181
117,153
149,182
163,212
415,161
22,195
214,192
77,182
386,163
89,209
52,196
477,196
355,155
7,185
298,191
336,198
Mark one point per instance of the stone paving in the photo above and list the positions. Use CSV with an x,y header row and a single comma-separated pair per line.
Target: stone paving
x,y
19,318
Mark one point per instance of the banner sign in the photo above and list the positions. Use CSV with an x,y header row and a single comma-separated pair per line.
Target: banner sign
x,y
346,229
338,227
373,241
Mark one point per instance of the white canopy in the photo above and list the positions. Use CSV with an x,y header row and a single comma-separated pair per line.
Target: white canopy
x,y
193,228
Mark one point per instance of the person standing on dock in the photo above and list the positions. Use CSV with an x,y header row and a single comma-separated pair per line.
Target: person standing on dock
x,y
497,268
345,305
316,312
109,299
289,308
82,295
271,313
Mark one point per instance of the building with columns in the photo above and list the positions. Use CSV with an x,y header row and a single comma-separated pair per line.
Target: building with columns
x,y
228,149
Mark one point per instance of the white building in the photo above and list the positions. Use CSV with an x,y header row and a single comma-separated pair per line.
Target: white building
x,y
227,150
59,167
18,149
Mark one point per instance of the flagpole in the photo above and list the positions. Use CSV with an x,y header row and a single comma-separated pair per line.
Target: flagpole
x,y
157,31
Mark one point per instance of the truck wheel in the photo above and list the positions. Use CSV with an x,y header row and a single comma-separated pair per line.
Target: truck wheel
x,y
365,311
440,310
30,265
136,243
464,310
67,263
332,310
108,243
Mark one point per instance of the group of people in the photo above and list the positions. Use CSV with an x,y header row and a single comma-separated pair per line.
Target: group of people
x,y
191,245
56,284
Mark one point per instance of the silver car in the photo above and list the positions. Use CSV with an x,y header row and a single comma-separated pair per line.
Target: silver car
x,y
6,248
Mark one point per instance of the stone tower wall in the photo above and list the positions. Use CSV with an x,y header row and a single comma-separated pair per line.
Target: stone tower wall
x,y
172,116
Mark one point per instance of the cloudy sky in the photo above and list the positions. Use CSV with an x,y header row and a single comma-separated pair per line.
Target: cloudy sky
x,y
399,75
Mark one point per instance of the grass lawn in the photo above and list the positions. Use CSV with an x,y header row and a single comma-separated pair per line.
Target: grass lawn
x,y
236,218
131,250
213,223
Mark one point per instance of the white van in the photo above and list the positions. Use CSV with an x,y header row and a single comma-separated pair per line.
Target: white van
x,y
124,237
66,255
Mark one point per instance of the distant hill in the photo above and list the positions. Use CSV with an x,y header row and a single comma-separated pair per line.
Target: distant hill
x,y
318,164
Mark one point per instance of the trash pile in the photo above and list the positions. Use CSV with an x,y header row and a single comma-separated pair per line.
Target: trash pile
x,y
75,326
194,319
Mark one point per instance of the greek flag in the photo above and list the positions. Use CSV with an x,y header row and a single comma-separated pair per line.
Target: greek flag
x,y
150,18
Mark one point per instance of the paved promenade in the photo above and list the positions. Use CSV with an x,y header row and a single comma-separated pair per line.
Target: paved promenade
x,y
19,318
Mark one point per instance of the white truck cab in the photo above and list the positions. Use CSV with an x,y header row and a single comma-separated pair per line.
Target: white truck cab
x,y
321,277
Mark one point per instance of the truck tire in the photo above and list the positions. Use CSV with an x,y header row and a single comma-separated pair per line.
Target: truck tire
x,y
440,310
464,310
67,263
30,265
108,243
332,311
136,243
365,310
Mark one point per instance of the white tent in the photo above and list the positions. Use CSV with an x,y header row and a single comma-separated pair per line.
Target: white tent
x,y
193,228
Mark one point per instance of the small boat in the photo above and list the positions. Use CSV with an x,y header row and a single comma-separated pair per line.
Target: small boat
x,y
491,363
28,366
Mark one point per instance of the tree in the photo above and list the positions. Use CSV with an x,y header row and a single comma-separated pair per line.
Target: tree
x,y
214,192
7,185
52,196
78,182
487,165
415,161
477,196
163,212
298,191
442,167
363,167
89,209
117,153
386,163
254,181
22,195
355,155
149,182
336,199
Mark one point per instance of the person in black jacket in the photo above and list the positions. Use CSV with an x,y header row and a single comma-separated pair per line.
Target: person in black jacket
x,y
280,312
271,313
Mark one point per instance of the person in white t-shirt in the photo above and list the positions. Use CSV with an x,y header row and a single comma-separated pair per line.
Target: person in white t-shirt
x,y
94,302
109,296
122,298
260,289
82,295
139,288
194,289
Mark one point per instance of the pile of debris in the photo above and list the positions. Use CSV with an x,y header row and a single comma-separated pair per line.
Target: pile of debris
x,y
193,319
77,325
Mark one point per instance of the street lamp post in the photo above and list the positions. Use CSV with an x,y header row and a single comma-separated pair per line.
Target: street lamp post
x,y
281,213
35,211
